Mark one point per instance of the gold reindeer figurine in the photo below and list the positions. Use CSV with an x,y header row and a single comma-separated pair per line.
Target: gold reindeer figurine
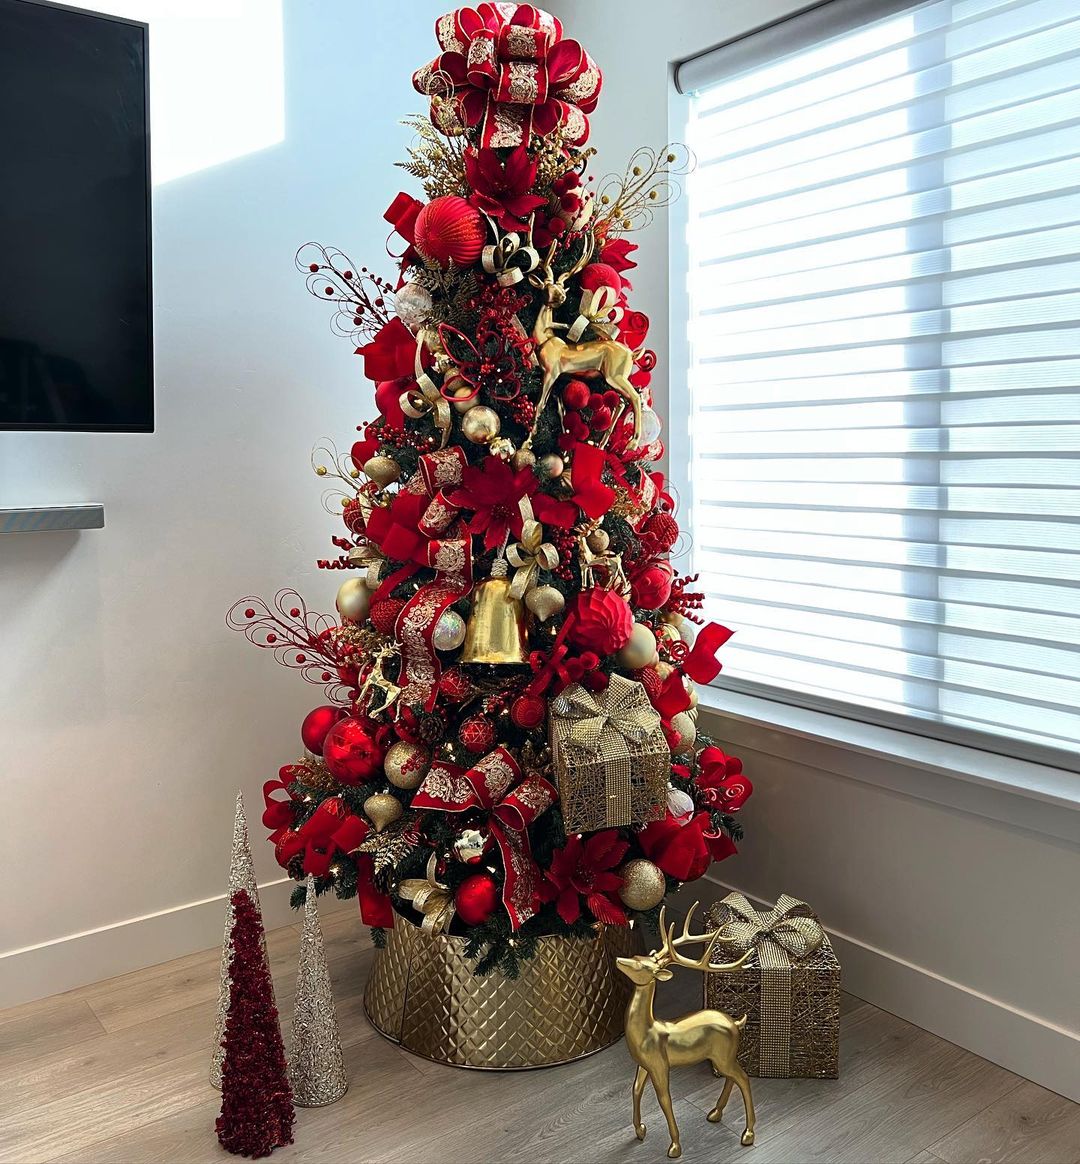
x,y
705,1035
613,360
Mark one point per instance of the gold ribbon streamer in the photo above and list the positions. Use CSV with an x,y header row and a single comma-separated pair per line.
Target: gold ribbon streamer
x,y
510,259
790,930
433,899
529,556
599,309
425,398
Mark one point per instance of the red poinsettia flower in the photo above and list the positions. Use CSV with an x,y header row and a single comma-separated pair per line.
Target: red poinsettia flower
x,y
501,185
721,781
492,491
615,252
392,353
584,869
683,849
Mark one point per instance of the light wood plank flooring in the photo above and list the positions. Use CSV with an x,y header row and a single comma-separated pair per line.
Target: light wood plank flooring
x,y
118,1072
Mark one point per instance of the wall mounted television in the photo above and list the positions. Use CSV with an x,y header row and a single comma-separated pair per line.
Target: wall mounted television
x,y
76,345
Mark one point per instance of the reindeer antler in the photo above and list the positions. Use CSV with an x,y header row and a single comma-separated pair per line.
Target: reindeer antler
x,y
544,277
669,954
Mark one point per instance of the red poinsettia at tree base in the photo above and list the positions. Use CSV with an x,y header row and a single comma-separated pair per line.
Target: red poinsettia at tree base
x,y
510,549
256,1096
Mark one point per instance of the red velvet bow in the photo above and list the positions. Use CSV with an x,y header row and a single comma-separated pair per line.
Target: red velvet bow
x,y
494,785
684,850
391,355
507,71
593,497
555,669
402,214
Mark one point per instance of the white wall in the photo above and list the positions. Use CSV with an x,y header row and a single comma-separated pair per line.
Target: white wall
x,y
964,924
129,714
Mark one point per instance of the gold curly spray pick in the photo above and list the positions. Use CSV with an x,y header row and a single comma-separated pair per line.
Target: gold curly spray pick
x,y
316,1065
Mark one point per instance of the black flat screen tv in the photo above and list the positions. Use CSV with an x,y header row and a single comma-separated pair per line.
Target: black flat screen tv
x,y
76,345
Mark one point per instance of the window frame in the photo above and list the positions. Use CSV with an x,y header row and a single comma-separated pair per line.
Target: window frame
x,y
802,28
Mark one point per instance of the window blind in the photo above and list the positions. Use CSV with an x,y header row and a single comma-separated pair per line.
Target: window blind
x,y
883,241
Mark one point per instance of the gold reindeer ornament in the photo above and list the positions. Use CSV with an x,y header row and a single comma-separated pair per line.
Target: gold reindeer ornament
x,y
613,360
704,1036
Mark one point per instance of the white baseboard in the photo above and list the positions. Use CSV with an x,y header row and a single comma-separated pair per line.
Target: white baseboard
x,y
79,959
1016,1040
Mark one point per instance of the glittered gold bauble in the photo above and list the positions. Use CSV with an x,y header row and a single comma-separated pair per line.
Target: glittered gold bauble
x,y
685,724
412,305
551,465
353,600
643,884
449,631
382,809
640,650
480,424
544,602
523,459
382,470
598,541
406,765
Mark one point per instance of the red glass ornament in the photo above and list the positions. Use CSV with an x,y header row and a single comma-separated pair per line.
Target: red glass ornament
x,y
597,275
603,621
316,726
477,898
450,230
528,711
351,752
477,734
384,613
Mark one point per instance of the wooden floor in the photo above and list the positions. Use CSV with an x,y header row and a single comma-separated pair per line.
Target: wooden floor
x,y
118,1072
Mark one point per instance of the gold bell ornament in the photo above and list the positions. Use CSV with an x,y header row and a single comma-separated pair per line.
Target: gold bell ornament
x,y
495,632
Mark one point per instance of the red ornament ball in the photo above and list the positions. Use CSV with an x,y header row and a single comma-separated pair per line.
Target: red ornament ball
x,y
316,726
455,685
384,613
662,530
528,711
603,621
650,679
597,275
477,734
576,395
351,753
651,588
449,230
477,898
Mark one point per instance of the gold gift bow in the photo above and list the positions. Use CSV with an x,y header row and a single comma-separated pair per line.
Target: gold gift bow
x,y
426,397
629,713
509,260
791,929
530,555
600,309
430,897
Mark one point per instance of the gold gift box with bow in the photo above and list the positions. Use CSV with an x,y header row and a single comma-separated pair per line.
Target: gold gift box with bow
x,y
789,988
610,755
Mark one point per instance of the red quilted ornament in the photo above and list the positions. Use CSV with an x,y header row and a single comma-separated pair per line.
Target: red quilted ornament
x,y
602,621
650,588
449,230
597,275
384,614
661,530
477,734
476,898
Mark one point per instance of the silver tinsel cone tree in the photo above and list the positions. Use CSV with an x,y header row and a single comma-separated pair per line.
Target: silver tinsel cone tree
x,y
316,1066
241,876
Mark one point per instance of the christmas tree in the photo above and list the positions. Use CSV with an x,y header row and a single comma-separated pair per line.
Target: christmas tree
x,y
511,711
256,1099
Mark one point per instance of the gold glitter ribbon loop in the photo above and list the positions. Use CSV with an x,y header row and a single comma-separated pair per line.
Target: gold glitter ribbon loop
x,y
529,556
426,398
428,895
510,259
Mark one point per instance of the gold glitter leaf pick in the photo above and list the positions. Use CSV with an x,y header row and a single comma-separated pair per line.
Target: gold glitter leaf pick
x,y
316,1065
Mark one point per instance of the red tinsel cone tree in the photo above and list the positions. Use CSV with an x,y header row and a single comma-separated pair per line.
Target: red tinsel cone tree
x,y
256,1098
508,743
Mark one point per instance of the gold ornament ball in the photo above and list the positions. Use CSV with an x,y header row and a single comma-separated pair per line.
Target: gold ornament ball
x,y
382,809
462,397
382,470
449,631
685,724
640,650
643,884
406,765
523,459
544,602
670,633
598,541
353,600
480,424
691,690
551,465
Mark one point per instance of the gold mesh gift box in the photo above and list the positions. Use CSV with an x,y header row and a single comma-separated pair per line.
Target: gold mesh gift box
x,y
610,755
789,988
567,1002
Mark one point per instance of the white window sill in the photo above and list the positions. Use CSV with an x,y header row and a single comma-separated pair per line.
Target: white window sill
x,y
1019,793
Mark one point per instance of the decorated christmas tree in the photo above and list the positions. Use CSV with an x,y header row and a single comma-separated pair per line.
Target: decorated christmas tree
x,y
509,743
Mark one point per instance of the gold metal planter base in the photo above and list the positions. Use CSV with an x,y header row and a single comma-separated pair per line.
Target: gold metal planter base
x,y
567,1002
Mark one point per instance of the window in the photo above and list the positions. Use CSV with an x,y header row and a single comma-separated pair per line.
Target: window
x,y
883,286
